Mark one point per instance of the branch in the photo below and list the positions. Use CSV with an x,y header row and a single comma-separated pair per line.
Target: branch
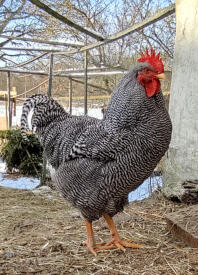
x,y
9,38
162,44
29,61
11,16
32,89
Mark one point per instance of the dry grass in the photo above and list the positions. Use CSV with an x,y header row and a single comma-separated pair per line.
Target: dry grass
x,y
44,236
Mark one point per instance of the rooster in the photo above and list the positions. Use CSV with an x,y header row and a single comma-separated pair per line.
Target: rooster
x,y
96,162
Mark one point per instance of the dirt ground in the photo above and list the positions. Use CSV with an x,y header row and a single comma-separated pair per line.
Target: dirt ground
x,y
40,235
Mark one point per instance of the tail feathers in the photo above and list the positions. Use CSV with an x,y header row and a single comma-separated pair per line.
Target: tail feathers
x,y
44,110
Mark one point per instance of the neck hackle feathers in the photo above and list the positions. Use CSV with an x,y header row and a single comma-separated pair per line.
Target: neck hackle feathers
x,y
154,60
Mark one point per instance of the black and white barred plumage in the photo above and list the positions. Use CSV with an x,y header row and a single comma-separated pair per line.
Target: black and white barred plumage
x,y
98,162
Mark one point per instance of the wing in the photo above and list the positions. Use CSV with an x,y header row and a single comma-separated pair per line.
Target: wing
x,y
96,143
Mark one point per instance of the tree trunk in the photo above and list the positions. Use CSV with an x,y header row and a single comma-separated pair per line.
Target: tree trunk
x,y
181,168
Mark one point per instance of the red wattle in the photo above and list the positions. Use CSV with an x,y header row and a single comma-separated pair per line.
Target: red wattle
x,y
152,87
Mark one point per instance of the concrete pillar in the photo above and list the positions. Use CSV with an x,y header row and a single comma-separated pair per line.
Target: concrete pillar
x,y
181,168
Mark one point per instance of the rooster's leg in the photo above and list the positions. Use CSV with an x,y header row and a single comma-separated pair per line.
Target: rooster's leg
x,y
116,241
90,242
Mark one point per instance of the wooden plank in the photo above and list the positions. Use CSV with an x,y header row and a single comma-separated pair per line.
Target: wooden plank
x,y
77,75
92,85
137,27
28,61
30,49
55,43
32,89
94,74
23,71
12,93
183,224
105,68
66,20
66,98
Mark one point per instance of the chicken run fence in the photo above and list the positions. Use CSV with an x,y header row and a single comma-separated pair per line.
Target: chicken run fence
x,y
11,97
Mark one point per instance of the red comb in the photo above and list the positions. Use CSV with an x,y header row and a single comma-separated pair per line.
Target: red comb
x,y
154,60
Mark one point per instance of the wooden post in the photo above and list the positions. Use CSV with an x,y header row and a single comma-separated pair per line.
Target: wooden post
x,y
6,109
8,98
13,105
85,82
49,92
70,95
25,94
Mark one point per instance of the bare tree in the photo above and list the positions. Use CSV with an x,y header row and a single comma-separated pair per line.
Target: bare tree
x,y
16,20
104,17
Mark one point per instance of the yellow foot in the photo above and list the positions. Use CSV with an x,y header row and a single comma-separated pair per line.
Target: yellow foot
x,y
121,244
94,247
116,241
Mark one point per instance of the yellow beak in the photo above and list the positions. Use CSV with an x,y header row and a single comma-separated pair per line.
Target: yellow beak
x,y
161,76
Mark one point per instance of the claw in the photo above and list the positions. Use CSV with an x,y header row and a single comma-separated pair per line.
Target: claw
x,y
91,248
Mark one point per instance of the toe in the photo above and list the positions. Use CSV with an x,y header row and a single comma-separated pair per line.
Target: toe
x,y
104,247
129,244
93,251
120,245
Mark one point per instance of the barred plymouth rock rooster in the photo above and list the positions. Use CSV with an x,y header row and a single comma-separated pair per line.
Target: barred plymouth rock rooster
x,y
98,162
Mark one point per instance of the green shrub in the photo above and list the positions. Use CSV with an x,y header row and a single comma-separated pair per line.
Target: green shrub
x,y
26,156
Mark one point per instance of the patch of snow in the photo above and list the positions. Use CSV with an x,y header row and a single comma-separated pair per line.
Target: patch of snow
x,y
19,183
145,189
93,112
